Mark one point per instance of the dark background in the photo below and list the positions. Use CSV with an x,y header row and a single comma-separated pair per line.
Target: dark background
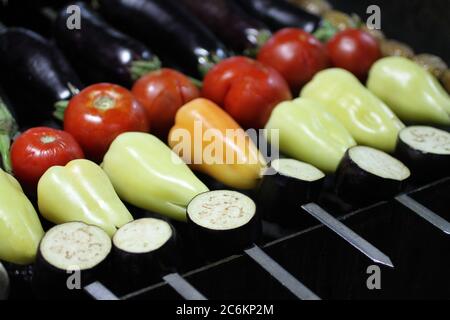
x,y
423,24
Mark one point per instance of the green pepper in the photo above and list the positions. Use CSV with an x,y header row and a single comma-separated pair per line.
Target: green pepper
x,y
307,132
366,117
411,92
20,228
147,174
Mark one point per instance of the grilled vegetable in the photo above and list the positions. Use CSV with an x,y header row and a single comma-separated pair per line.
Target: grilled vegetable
x,y
307,132
286,186
317,7
143,252
155,179
38,149
433,64
445,80
65,250
4,283
34,74
170,29
426,151
390,48
246,89
99,113
20,228
102,53
279,14
366,117
216,145
340,20
81,191
367,175
222,223
410,91
162,93
8,129
230,23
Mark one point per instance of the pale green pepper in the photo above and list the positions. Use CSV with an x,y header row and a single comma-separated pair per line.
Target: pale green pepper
x,y
81,191
366,117
411,92
147,174
309,133
20,228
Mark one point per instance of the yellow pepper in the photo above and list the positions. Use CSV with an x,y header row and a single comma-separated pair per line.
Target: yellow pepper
x,y
366,117
412,92
147,174
307,132
81,191
20,228
213,143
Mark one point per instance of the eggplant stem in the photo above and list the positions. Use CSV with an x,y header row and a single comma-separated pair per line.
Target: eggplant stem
x,y
8,128
140,68
326,31
60,109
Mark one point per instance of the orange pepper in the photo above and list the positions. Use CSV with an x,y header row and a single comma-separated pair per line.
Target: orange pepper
x,y
211,142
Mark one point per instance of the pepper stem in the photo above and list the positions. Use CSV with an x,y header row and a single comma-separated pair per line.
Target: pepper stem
x,y
142,67
8,128
60,109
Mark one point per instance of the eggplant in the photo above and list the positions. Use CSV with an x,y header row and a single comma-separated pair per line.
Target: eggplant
x,y
4,283
426,151
286,185
101,53
169,29
279,14
35,75
8,129
231,24
222,223
144,250
70,256
366,175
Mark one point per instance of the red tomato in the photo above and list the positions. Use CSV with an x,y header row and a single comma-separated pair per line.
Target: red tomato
x,y
38,149
296,54
162,93
247,89
101,112
355,51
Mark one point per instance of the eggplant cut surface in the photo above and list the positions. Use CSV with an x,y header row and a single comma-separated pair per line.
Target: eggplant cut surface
x,y
366,175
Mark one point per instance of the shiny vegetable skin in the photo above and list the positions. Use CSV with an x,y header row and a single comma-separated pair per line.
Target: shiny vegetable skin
x,y
246,89
35,75
230,23
168,28
296,54
101,112
38,149
100,52
355,51
279,14
162,93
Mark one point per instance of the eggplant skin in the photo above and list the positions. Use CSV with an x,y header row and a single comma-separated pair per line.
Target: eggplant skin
x,y
359,187
280,197
279,14
425,167
35,75
169,30
100,52
229,22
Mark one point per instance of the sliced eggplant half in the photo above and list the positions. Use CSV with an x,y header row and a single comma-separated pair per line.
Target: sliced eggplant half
x,y
223,223
70,256
367,175
143,251
426,151
286,186
4,283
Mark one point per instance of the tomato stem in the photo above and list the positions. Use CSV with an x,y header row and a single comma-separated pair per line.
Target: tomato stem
x,y
60,109
326,31
104,103
47,139
8,128
140,68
